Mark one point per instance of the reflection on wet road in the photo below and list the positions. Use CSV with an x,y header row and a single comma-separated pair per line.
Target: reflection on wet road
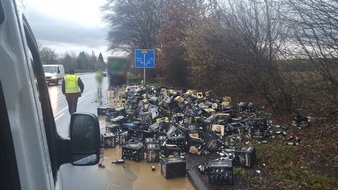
x,y
93,177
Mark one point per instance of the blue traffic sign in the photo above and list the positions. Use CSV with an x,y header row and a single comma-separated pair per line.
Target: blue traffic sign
x,y
144,58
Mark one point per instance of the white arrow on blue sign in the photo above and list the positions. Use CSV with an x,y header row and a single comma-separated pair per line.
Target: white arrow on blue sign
x,y
144,58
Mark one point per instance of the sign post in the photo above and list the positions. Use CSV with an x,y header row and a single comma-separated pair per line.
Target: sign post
x,y
144,58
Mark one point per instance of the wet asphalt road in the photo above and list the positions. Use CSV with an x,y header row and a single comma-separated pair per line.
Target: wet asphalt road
x,y
130,175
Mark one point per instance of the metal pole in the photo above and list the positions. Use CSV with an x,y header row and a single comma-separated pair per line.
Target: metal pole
x,y
144,76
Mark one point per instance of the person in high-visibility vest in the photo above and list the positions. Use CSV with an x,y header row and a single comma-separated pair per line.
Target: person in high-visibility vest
x,y
99,78
72,88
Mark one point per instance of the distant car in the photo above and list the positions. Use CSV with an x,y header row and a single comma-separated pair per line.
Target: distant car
x,y
54,73
104,73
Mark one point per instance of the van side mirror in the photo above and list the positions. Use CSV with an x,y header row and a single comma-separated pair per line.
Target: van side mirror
x,y
85,139
58,70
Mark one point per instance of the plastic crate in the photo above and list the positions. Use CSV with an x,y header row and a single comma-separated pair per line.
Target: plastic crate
x,y
109,140
102,110
246,157
173,167
133,151
180,141
220,172
152,152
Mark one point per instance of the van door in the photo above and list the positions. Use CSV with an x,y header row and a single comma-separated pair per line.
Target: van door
x,y
61,72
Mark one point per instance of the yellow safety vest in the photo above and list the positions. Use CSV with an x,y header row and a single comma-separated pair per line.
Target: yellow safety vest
x,y
99,74
71,85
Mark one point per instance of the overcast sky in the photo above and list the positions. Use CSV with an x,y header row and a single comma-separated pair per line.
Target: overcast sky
x,y
68,25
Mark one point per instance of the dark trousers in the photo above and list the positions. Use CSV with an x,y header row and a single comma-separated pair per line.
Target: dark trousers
x,y
72,102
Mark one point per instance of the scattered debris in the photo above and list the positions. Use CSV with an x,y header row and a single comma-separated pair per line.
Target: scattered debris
x,y
101,166
164,125
118,161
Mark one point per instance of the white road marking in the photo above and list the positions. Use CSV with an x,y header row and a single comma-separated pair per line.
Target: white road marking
x,y
58,117
61,111
80,100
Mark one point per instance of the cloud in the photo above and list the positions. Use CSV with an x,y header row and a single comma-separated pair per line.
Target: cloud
x,y
65,34
62,48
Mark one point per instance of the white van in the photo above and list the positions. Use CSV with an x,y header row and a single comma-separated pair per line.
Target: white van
x,y
54,73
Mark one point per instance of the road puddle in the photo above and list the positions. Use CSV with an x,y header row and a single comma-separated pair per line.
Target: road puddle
x,y
141,174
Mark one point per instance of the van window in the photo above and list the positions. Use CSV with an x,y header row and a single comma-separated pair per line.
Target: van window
x,y
50,69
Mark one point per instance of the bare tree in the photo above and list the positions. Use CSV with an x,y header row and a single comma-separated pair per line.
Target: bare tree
x,y
68,60
315,24
213,55
48,56
100,62
180,16
259,26
83,61
133,24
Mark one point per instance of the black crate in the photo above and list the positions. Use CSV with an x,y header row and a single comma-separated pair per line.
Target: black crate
x,y
109,140
133,151
189,118
180,141
174,106
110,115
198,143
150,141
173,167
147,134
220,172
234,128
212,142
246,157
122,138
162,139
146,119
152,152
114,128
259,124
178,118
221,118
102,110
135,134
165,126
206,124
170,150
